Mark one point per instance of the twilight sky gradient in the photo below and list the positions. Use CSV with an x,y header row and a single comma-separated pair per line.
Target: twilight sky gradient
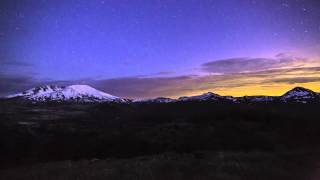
x,y
150,48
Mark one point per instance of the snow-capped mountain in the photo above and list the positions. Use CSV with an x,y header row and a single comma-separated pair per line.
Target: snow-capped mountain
x,y
79,93
300,94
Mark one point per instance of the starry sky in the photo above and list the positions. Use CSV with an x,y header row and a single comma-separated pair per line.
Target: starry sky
x,y
151,48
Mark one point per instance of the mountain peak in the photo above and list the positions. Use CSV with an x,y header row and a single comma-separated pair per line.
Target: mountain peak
x,y
202,97
300,89
299,94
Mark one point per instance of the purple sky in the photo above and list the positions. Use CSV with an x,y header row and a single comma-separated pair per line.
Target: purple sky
x,y
43,41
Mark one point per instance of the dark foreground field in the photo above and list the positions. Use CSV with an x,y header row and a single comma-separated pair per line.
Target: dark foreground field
x,y
203,166
196,140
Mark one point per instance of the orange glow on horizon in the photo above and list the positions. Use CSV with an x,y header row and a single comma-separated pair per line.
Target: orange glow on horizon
x,y
257,90
267,90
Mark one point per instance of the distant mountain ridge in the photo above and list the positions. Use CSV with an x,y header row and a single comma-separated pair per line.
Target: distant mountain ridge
x,y
85,93
296,95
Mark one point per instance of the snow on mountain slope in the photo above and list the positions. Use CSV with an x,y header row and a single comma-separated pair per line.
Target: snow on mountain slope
x,y
208,97
39,91
299,94
156,100
82,93
204,97
258,99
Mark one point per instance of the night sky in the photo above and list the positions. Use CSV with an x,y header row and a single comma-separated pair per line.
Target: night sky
x,y
150,48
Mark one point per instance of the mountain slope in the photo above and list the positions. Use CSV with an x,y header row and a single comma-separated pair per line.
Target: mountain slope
x,y
258,99
208,97
156,100
204,97
300,94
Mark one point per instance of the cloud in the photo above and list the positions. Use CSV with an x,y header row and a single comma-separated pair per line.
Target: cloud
x,y
243,65
16,76
4,62
295,80
269,82
139,87
238,77
165,73
10,65
14,83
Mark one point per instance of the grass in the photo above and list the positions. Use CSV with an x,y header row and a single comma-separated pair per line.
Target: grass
x,y
195,166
